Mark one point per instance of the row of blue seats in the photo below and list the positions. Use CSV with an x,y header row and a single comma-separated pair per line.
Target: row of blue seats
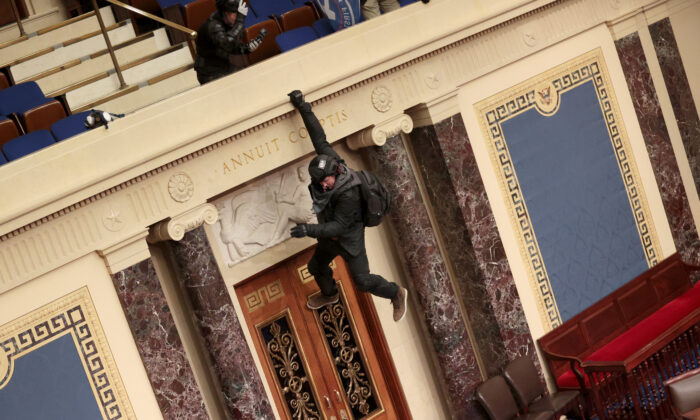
x,y
36,140
20,98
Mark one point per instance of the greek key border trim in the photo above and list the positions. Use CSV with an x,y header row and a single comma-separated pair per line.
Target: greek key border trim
x,y
498,108
72,314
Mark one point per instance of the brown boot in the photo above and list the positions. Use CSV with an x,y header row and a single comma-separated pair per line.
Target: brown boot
x,y
399,302
320,300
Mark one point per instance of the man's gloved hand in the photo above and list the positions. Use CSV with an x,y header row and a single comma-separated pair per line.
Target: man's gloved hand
x,y
425,1
299,231
296,98
255,43
243,8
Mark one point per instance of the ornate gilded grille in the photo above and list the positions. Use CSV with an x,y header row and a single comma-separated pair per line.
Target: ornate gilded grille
x,y
289,369
347,356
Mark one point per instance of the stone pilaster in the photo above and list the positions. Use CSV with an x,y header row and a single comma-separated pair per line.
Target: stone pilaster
x,y
429,281
658,144
214,313
463,213
154,331
679,91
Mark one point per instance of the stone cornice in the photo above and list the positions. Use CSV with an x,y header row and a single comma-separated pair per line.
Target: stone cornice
x,y
99,212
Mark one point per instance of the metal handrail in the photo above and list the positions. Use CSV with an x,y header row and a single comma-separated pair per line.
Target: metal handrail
x,y
191,35
17,17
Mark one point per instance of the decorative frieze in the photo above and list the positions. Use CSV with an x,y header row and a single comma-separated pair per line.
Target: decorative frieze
x,y
421,75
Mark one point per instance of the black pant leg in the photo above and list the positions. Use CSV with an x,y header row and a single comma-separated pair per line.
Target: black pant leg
x,y
318,267
365,281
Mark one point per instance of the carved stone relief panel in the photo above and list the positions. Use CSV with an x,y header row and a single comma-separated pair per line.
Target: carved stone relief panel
x,y
259,216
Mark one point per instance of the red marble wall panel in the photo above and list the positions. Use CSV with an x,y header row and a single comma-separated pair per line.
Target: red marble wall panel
x,y
658,144
679,91
429,282
231,359
158,342
489,256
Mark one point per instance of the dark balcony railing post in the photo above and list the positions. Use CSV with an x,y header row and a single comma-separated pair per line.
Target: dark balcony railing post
x,y
18,18
122,84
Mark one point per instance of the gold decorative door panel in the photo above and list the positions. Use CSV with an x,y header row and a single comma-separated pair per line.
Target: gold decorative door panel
x,y
321,364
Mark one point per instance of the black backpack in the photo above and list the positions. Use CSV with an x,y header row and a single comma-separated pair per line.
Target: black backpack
x,y
376,199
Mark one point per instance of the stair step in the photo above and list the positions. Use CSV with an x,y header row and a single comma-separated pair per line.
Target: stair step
x,y
49,37
118,33
133,73
159,88
100,62
110,73
9,34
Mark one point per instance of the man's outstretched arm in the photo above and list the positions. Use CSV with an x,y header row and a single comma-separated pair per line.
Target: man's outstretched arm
x,y
313,126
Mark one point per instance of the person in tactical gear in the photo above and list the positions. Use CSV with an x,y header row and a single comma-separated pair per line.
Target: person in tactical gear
x,y
220,38
337,203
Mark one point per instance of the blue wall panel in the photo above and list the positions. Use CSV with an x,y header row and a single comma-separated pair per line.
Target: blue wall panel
x,y
49,383
576,199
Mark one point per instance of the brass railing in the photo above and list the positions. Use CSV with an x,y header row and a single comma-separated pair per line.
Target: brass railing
x,y
190,34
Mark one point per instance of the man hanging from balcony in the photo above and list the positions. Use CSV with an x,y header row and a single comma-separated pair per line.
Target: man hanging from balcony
x,y
220,41
337,202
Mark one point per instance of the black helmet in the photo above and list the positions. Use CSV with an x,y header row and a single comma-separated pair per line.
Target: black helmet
x,y
227,5
322,166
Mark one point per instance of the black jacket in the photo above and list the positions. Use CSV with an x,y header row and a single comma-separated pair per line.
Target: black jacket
x,y
216,41
341,217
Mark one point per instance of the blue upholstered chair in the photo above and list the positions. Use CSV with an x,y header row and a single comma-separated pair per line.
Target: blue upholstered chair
x,y
3,160
265,8
295,38
403,3
69,126
26,144
22,97
323,27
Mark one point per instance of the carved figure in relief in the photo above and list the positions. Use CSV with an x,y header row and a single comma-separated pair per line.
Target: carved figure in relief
x,y
340,201
246,221
293,202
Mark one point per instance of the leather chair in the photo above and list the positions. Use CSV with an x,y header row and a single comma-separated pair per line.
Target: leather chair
x,y
522,376
43,116
4,83
196,12
296,18
8,130
684,391
496,398
269,47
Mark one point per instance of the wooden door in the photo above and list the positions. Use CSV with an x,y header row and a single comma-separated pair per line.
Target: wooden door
x,y
320,364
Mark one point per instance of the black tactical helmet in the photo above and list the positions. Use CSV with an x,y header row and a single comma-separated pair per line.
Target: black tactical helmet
x,y
227,5
322,166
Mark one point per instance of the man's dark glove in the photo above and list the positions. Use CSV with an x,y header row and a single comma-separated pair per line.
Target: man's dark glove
x,y
300,230
425,1
296,98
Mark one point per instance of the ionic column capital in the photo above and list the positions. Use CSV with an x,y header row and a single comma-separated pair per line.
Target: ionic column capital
x,y
377,135
176,227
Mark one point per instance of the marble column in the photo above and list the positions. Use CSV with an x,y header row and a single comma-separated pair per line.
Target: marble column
x,y
158,342
429,281
487,288
679,91
658,144
231,359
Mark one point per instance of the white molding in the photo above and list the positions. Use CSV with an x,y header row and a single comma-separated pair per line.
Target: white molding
x,y
126,253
